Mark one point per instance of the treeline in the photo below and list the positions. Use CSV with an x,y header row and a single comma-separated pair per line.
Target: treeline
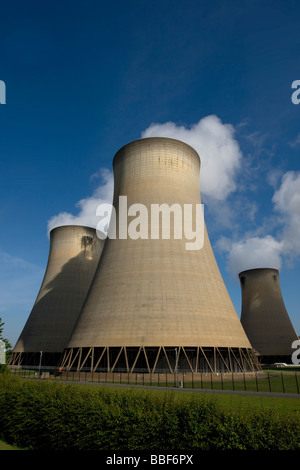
x,y
39,415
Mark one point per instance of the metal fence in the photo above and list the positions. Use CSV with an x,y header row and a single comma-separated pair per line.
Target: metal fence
x,y
269,381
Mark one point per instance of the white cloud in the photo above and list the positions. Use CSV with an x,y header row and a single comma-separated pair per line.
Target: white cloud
x,y
274,176
287,197
295,142
220,160
256,252
218,150
267,250
88,206
287,202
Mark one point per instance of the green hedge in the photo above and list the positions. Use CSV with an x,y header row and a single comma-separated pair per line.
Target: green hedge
x,y
42,415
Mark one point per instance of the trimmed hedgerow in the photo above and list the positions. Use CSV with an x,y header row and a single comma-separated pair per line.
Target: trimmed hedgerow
x,y
42,415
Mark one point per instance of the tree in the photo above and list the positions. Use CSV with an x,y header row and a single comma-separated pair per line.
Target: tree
x,y
7,344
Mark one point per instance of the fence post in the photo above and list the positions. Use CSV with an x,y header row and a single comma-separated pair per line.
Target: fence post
x,y
282,381
269,381
256,381
297,385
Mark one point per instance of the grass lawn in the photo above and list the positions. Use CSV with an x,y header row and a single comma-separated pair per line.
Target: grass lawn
x,y
278,381
273,381
229,402
242,402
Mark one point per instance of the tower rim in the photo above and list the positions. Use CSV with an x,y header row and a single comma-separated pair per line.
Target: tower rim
x,y
72,226
155,139
253,270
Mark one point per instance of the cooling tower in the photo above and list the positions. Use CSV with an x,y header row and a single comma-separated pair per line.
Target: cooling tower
x,y
154,304
73,257
264,315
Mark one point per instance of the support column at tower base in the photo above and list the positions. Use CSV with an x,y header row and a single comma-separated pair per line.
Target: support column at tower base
x,y
162,359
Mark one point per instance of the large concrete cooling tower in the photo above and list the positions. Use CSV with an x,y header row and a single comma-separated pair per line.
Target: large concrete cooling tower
x,y
155,305
73,257
264,315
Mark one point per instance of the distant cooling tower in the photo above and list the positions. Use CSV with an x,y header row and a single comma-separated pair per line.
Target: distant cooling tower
x,y
155,305
73,257
264,316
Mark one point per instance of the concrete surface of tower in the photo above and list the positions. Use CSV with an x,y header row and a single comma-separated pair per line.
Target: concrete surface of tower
x,y
74,254
264,315
154,305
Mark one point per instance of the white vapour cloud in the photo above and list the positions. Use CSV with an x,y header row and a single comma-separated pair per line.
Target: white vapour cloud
x,y
88,206
287,203
268,251
255,252
295,142
220,160
218,150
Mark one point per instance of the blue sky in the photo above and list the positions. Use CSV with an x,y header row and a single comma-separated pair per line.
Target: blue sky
x,y
85,78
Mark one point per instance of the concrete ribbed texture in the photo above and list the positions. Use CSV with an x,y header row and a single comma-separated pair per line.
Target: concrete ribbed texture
x,y
155,292
264,315
73,257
